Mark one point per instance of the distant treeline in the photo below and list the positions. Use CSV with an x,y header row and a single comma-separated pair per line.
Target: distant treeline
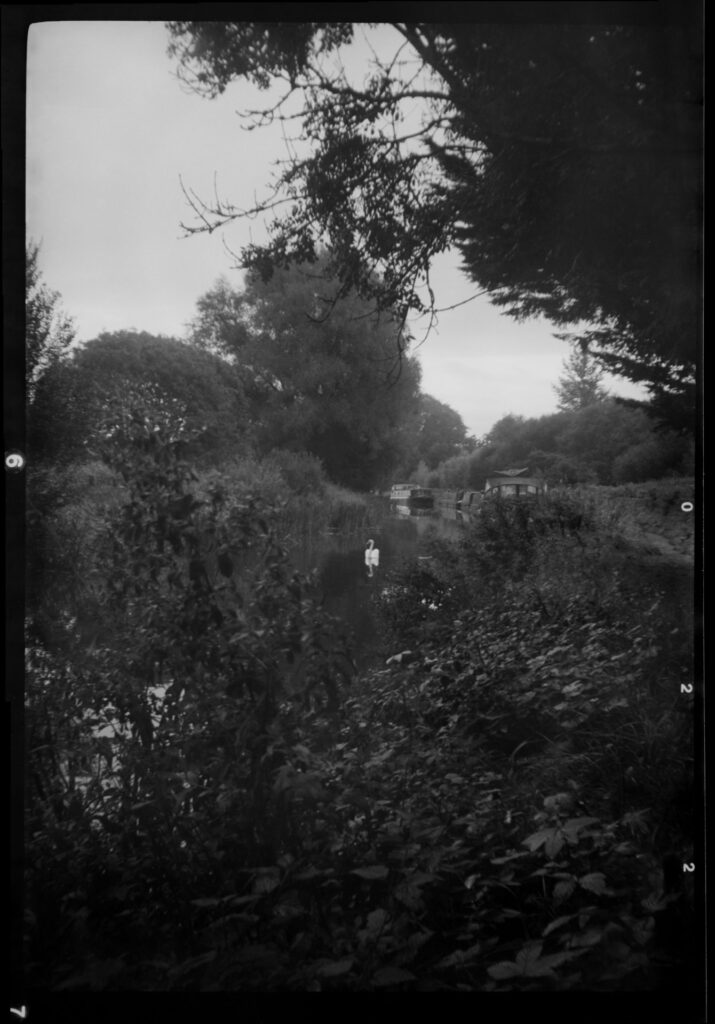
x,y
607,442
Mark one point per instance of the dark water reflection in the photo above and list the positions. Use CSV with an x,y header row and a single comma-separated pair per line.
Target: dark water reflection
x,y
349,585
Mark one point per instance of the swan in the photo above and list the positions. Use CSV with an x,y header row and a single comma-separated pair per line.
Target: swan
x,y
372,554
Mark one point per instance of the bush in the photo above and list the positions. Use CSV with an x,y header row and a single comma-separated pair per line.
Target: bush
x,y
162,757
240,477
506,537
650,460
293,486
68,511
302,472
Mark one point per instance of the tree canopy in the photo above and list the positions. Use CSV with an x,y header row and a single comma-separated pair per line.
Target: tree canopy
x,y
574,445
319,367
75,395
562,161
440,432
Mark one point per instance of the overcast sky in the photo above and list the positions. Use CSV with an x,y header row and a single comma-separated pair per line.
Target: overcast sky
x,y
110,132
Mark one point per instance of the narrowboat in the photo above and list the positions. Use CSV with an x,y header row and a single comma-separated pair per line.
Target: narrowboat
x,y
412,495
513,483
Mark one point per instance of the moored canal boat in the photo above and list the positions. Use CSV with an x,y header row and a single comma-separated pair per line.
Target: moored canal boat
x,y
412,495
513,483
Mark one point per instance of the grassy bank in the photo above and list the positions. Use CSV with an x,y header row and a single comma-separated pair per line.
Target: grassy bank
x,y
658,515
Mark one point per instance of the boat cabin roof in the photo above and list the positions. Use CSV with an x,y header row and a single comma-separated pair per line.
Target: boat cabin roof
x,y
510,481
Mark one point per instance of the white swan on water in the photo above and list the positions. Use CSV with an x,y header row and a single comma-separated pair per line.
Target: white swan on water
x,y
372,554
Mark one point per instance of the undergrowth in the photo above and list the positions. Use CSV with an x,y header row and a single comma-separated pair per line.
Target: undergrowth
x,y
216,801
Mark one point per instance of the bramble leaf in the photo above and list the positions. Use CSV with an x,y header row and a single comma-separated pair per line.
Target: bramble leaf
x,y
562,890
594,882
372,873
337,968
391,976
537,839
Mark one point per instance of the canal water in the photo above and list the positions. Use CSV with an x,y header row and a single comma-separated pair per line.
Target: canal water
x,y
349,585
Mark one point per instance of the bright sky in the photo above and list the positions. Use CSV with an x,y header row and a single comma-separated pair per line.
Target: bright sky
x,y
110,132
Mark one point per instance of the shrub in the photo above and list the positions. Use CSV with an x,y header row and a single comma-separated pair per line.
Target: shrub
x,y
68,511
302,472
162,757
650,460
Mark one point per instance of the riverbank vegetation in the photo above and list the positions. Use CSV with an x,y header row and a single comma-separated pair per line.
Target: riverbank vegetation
x,y
215,801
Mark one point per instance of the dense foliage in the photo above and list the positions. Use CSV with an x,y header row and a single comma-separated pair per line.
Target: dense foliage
x,y
74,396
605,442
216,803
562,160
161,712
548,664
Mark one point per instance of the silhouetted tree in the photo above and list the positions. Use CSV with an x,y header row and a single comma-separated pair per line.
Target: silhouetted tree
x,y
580,383
562,160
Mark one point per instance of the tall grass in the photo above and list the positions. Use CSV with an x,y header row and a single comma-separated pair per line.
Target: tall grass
x,y
295,487
664,508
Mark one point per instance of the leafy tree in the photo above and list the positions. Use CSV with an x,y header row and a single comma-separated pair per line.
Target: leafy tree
x,y
441,433
580,383
596,435
77,394
506,430
219,323
561,160
319,367
49,332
